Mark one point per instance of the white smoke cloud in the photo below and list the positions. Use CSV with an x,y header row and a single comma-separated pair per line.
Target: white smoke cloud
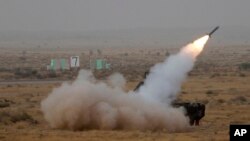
x,y
87,104
117,80
165,79
90,104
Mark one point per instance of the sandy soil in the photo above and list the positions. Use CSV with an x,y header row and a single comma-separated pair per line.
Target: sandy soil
x,y
215,81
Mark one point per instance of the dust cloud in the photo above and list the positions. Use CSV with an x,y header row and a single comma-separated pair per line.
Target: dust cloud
x,y
88,103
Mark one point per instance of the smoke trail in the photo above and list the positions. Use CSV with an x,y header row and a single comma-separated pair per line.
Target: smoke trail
x,y
90,104
165,79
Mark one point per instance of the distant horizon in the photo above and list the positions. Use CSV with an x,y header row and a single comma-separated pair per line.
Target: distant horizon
x,y
137,37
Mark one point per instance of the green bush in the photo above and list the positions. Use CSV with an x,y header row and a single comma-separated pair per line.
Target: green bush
x,y
244,66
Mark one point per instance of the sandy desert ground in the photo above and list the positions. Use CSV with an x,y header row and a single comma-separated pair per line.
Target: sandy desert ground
x,y
215,81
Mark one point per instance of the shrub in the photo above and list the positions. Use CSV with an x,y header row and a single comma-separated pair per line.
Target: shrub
x,y
215,75
242,75
209,92
125,54
221,101
244,66
52,74
4,104
239,99
21,117
25,72
14,117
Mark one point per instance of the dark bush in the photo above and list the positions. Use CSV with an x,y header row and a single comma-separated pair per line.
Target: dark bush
x,y
25,72
34,72
99,52
221,101
4,70
125,54
239,99
209,92
40,76
244,66
4,104
242,75
215,75
52,74
8,117
4,115
21,117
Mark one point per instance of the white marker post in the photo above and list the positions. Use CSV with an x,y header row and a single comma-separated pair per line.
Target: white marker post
x,y
74,61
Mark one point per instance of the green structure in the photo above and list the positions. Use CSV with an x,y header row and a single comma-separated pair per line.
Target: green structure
x,y
101,64
107,66
63,66
53,64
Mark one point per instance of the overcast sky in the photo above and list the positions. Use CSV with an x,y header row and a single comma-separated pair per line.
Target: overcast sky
x,y
75,15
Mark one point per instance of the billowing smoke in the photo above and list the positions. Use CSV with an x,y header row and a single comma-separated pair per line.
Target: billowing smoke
x,y
88,103
164,80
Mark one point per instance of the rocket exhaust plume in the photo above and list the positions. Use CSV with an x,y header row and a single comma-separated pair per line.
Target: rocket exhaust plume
x,y
90,104
165,79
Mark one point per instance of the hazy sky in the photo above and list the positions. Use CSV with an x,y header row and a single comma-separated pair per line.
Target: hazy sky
x,y
121,14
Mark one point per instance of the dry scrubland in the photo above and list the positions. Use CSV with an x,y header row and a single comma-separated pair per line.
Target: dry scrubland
x,y
216,81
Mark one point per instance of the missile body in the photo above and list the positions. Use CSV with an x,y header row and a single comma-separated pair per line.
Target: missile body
x,y
212,32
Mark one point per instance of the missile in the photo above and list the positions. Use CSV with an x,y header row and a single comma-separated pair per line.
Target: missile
x,y
212,32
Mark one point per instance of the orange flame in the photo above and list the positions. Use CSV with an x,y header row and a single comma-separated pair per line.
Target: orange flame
x,y
199,43
195,48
